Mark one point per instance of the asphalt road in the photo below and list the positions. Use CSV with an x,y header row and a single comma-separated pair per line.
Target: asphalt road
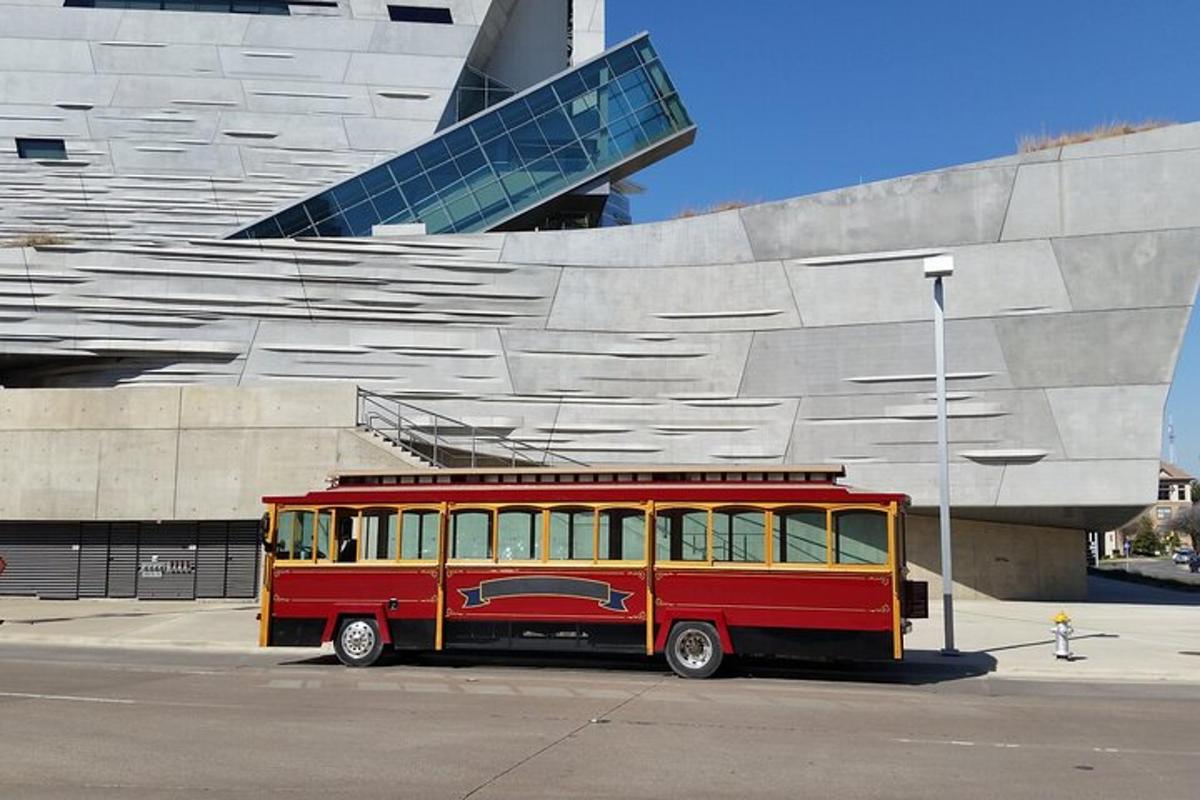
x,y
1154,568
103,723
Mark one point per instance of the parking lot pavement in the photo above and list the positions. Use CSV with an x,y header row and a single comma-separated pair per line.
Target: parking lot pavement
x,y
88,723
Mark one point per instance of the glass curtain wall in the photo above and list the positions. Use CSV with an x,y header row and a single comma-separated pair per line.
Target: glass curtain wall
x,y
508,159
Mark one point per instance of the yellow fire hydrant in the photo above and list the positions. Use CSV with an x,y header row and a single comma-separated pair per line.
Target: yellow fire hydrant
x,y
1062,631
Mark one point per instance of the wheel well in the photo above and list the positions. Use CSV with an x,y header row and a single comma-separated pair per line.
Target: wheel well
x,y
336,620
715,618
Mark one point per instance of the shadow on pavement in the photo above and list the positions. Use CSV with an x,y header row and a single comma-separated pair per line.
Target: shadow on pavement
x,y
920,667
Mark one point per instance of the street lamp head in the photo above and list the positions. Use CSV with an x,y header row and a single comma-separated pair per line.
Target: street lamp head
x,y
939,266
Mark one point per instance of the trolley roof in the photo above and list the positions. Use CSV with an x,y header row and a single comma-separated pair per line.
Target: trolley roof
x,y
622,473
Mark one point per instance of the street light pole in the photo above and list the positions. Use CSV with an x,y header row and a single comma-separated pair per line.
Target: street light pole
x,y
938,267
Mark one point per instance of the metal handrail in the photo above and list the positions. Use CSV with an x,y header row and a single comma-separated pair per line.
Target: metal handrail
x,y
394,420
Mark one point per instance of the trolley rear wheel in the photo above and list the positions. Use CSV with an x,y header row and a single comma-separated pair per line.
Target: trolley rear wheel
x,y
358,643
694,649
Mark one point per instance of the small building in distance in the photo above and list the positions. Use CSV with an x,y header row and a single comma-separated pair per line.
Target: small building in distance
x,y
1175,492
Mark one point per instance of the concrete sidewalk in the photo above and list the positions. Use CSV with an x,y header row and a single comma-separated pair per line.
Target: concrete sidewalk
x,y
1125,633
228,625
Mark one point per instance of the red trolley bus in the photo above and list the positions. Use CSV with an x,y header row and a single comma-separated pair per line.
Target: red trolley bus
x,y
693,563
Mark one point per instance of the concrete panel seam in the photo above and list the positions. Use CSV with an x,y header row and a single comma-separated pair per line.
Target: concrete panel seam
x,y
249,352
787,451
1012,189
746,364
1054,240
512,384
792,290
553,295
303,288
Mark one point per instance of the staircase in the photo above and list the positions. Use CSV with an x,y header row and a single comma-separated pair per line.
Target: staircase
x,y
436,440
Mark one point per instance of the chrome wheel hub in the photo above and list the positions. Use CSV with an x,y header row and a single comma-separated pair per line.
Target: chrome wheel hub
x,y
693,649
358,638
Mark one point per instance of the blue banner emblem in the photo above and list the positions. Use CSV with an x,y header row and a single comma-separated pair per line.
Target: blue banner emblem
x,y
609,598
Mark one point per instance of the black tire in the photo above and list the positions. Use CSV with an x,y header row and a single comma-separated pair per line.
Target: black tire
x,y
694,650
358,643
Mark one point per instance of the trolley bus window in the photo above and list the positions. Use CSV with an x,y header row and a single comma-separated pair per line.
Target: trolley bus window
x,y
471,534
381,534
622,534
738,535
860,537
324,521
571,534
345,530
681,534
798,537
419,535
293,535
520,535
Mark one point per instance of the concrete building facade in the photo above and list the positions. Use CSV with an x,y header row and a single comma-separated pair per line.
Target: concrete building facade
x,y
157,371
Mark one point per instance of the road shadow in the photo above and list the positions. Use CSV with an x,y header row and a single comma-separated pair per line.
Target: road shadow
x,y
920,667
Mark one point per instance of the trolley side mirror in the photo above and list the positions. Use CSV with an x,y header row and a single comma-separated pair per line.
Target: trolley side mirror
x,y
264,532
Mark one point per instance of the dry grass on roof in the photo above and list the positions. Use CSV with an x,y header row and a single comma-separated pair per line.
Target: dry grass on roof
x,y
1044,141
39,239
724,205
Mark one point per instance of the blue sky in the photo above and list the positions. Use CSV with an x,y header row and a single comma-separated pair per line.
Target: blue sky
x,y
797,96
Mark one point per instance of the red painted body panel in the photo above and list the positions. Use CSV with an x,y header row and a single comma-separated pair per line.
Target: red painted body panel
x,y
326,591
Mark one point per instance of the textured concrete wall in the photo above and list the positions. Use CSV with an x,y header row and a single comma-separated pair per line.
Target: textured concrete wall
x,y
181,124
183,452
1000,561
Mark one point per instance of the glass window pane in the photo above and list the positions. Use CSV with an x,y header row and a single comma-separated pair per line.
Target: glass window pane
x,y
555,128
595,73
798,537
292,220
416,189
520,535
860,537
492,200
444,175
324,534
530,142
320,207
471,534
573,160
350,193
637,89
361,218
681,535
584,113
487,127
658,76
622,534
622,60
389,203
334,226
568,87
542,100
738,535
405,167
293,535
515,114
546,174
459,140
462,208
419,534
433,153
502,154
571,534
470,160
437,220
653,121
519,186
380,534
378,180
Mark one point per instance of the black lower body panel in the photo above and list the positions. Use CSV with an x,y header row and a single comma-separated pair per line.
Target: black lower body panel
x,y
296,632
547,636
412,634
815,644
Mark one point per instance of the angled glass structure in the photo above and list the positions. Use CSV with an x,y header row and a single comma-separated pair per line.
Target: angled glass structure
x,y
598,121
